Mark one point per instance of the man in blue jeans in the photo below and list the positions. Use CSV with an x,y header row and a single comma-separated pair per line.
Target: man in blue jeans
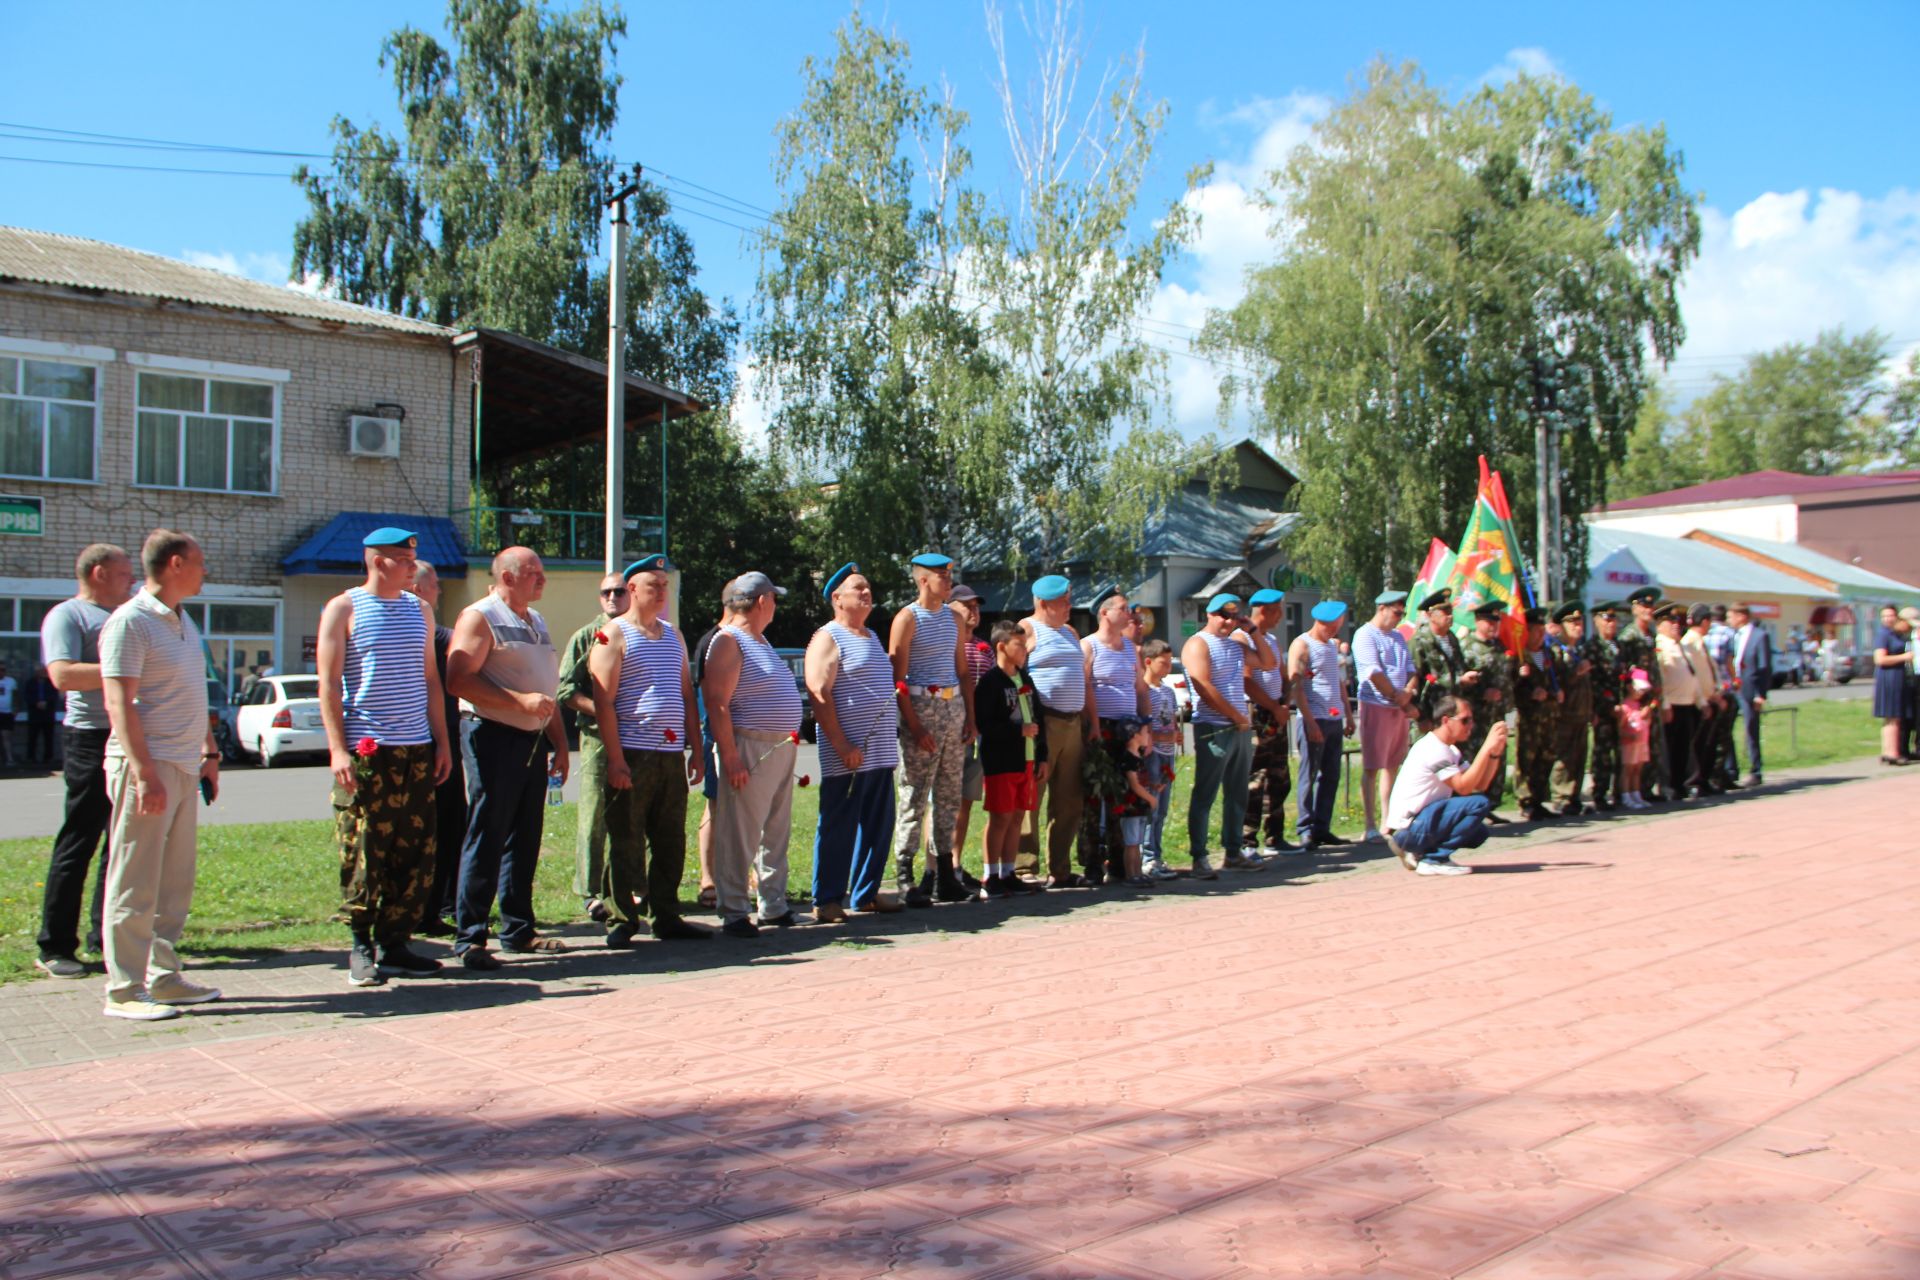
x,y
1438,806
1317,685
1219,658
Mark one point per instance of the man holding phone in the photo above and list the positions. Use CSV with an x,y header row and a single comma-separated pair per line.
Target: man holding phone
x,y
1438,806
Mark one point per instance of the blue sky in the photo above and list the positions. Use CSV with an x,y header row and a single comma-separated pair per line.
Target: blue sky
x,y
1796,124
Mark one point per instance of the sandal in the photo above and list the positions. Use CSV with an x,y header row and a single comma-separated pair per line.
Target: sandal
x,y
534,945
709,897
1069,882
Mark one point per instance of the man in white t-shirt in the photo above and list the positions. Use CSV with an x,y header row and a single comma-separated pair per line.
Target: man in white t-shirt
x,y
1438,805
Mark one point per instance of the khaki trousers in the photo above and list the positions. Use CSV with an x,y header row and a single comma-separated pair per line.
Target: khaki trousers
x,y
1060,797
150,862
751,826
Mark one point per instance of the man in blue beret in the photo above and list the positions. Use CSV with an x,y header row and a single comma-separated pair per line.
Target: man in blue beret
x,y
1317,678
1059,670
935,690
381,701
1219,658
1269,777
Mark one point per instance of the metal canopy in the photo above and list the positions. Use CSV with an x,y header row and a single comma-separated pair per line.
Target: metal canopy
x,y
540,399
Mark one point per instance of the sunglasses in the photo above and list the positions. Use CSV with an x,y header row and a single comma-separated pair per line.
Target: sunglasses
x,y
613,591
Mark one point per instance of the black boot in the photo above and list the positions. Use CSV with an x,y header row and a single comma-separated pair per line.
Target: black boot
x,y
947,886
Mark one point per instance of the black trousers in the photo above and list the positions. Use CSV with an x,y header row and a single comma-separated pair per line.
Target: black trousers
x,y
450,802
89,812
1683,767
40,741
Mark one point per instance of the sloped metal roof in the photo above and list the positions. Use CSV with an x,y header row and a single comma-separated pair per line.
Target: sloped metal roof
x,y
1683,564
49,258
1755,485
1850,577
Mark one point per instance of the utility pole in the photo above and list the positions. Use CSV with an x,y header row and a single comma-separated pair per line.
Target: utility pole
x,y
617,375
1543,486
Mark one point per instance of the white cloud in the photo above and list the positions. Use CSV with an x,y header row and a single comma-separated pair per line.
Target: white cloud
x,y
1528,60
268,268
1789,264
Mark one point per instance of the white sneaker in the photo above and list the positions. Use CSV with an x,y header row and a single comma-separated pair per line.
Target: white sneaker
x,y
1428,867
141,1008
171,988
1372,836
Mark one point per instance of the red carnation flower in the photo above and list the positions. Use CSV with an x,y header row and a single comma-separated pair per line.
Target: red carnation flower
x,y
670,735
599,637
1431,678
794,736
366,746
1333,713
804,780
899,686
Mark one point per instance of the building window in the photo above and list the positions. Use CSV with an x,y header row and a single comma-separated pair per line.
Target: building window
x,y
48,410
205,433
20,621
239,637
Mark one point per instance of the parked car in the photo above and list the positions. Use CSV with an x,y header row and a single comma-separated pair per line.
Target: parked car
x,y
796,660
1182,687
281,717
220,719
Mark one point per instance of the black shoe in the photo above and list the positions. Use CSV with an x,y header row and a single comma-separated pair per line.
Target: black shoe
x,y
915,896
597,911
480,960
398,960
997,887
621,936
1028,886
61,967
968,881
1495,820
1605,806
1331,837
741,928
787,921
362,969
1536,813
1572,809
674,929
434,927
950,889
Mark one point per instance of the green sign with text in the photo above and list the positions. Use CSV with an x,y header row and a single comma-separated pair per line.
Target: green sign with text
x,y
22,517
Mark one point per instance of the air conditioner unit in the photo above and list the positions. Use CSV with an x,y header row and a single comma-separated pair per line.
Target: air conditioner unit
x,y
373,437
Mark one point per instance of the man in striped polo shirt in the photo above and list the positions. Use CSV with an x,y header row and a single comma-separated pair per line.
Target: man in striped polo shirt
x,y
935,690
382,704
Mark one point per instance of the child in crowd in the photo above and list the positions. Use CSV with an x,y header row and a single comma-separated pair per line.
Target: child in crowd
x,y
1131,747
1013,755
1635,717
1164,727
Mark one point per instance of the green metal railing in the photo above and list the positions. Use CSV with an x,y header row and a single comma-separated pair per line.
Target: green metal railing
x,y
556,535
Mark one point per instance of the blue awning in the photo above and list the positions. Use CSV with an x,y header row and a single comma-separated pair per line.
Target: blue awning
x,y
336,547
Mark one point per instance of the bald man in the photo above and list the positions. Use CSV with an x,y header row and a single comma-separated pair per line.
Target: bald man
x,y
502,665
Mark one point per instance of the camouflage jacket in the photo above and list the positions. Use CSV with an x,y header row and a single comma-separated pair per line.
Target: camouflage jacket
x,y
1496,673
1578,684
1637,650
1610,667
1538,671
1438,664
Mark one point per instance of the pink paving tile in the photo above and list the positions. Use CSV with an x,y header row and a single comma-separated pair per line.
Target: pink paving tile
x,y
1417,1238
1571,1260
1657,1226
1885,1260
1893,1214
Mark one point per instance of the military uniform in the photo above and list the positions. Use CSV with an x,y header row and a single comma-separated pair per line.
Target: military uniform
x,y
1576,715
1438,663
590,767
1490,697
1539,684
1608,682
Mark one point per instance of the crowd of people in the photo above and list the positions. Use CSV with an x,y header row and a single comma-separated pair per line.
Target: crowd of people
x,y
446,745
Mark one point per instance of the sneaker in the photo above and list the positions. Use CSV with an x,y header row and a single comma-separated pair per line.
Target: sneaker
x,y
1428,867
741,928
362,970
400,961
787,921
1400,851
1370,836
477,959
1158,870
1203,868
171,988
1142,881
60,967
916,897
620,937
951,889
674,929
140,1008
999,887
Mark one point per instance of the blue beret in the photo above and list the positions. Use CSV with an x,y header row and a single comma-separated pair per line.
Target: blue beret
x,y
839,576
1390,597
648,564
1051,587
1266,595
389,537
1220,602
930,560
1329,611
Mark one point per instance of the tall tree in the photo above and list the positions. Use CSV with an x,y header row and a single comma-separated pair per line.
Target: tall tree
x,y
1452,276
866,344
1799,407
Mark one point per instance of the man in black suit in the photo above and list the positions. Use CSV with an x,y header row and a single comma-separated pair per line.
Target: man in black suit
x,y
1753,679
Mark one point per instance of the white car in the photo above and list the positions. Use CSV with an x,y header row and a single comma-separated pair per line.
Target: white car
x,y
1183,695
281,716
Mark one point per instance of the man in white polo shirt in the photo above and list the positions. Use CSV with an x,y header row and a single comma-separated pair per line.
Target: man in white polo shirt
x,y
154,675
1437,806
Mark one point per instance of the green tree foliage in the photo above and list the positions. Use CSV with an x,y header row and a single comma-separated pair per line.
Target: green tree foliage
x,y
488,212
1449,275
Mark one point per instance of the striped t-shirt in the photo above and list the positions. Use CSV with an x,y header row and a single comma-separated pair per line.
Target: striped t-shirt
x,y
160,647
1058,669
1229,664
384,680
650,702
863,703
1164,707
1114,672
930,656
765,698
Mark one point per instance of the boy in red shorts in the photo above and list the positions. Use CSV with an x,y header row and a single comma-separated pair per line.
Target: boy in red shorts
x,y
1013,754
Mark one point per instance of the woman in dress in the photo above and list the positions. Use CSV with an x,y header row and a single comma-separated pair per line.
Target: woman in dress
x,y
1890,662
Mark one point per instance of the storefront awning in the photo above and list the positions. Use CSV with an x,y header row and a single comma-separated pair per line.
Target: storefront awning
x,y
336,548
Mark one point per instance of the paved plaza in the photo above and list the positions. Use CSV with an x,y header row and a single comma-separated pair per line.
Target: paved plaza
x,y
1672,1047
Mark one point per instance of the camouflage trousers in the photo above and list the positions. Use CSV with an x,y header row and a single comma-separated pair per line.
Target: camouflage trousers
x,y
386,827
929,781
590,836
1539,740
1269,782
1570,759
1606,757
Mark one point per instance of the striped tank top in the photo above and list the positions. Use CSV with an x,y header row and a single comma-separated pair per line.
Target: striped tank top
x,y
863,702
384,684
649,706
765,698
936,635
1229,662
1058,669
1323,683
1114,671
1273,682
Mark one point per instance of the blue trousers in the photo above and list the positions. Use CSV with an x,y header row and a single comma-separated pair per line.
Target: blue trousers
x,y
1317,785
1162,771
1750,716
506,807
1447,826
1222,760
855,832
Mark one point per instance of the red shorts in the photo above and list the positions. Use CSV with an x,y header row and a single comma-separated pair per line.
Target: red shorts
x,y
1012,792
